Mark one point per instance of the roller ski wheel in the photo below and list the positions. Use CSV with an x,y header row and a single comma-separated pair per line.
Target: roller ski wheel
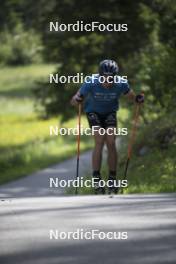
x,y
100,190
97,188
114,189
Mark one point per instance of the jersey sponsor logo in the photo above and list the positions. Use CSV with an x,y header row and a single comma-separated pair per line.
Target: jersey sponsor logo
x,y
105,97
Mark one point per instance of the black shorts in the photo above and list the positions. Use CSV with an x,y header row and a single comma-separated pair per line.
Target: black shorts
x,y
102,120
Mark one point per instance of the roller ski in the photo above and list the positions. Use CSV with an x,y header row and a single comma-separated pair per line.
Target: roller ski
x,y
98,189
113,189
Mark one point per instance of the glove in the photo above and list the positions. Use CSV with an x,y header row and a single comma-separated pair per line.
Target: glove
x,y
78,98
139,98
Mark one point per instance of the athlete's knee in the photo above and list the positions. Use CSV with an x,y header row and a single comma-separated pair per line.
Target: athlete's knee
x,y
99,140
99,144
110,142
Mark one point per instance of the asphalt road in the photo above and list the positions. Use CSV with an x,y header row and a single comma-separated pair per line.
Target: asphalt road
x,y
37,184
30,211
149,220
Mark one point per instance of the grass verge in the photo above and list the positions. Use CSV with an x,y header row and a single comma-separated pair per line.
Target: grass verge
x,y
25,143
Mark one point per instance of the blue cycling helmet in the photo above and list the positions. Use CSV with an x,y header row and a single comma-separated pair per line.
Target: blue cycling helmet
x,y
108,67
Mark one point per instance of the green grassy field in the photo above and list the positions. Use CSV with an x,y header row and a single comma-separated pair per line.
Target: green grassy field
x,y
153,165
25,143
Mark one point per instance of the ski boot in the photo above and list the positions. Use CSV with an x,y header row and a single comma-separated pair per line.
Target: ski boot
x,y
97,188
113,189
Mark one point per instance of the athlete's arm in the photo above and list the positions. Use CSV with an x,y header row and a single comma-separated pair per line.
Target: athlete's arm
x,y
139,98
81,93
76,99
131,96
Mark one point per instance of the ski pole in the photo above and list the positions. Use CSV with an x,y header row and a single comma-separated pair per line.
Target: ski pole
x,y
132,138
78,143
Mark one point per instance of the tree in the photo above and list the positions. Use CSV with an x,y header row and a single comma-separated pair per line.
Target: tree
x,y
82,51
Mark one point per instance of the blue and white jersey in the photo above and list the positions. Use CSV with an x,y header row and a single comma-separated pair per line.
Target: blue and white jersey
x,y
100,99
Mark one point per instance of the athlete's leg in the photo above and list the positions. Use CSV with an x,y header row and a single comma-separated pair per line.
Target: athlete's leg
x,y
97,151
112,152
94,120
112,163
110,124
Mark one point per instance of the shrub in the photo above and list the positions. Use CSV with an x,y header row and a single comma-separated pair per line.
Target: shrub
x,y
20,47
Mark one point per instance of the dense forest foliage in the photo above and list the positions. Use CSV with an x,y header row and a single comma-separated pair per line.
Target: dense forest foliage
x,y
145,53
